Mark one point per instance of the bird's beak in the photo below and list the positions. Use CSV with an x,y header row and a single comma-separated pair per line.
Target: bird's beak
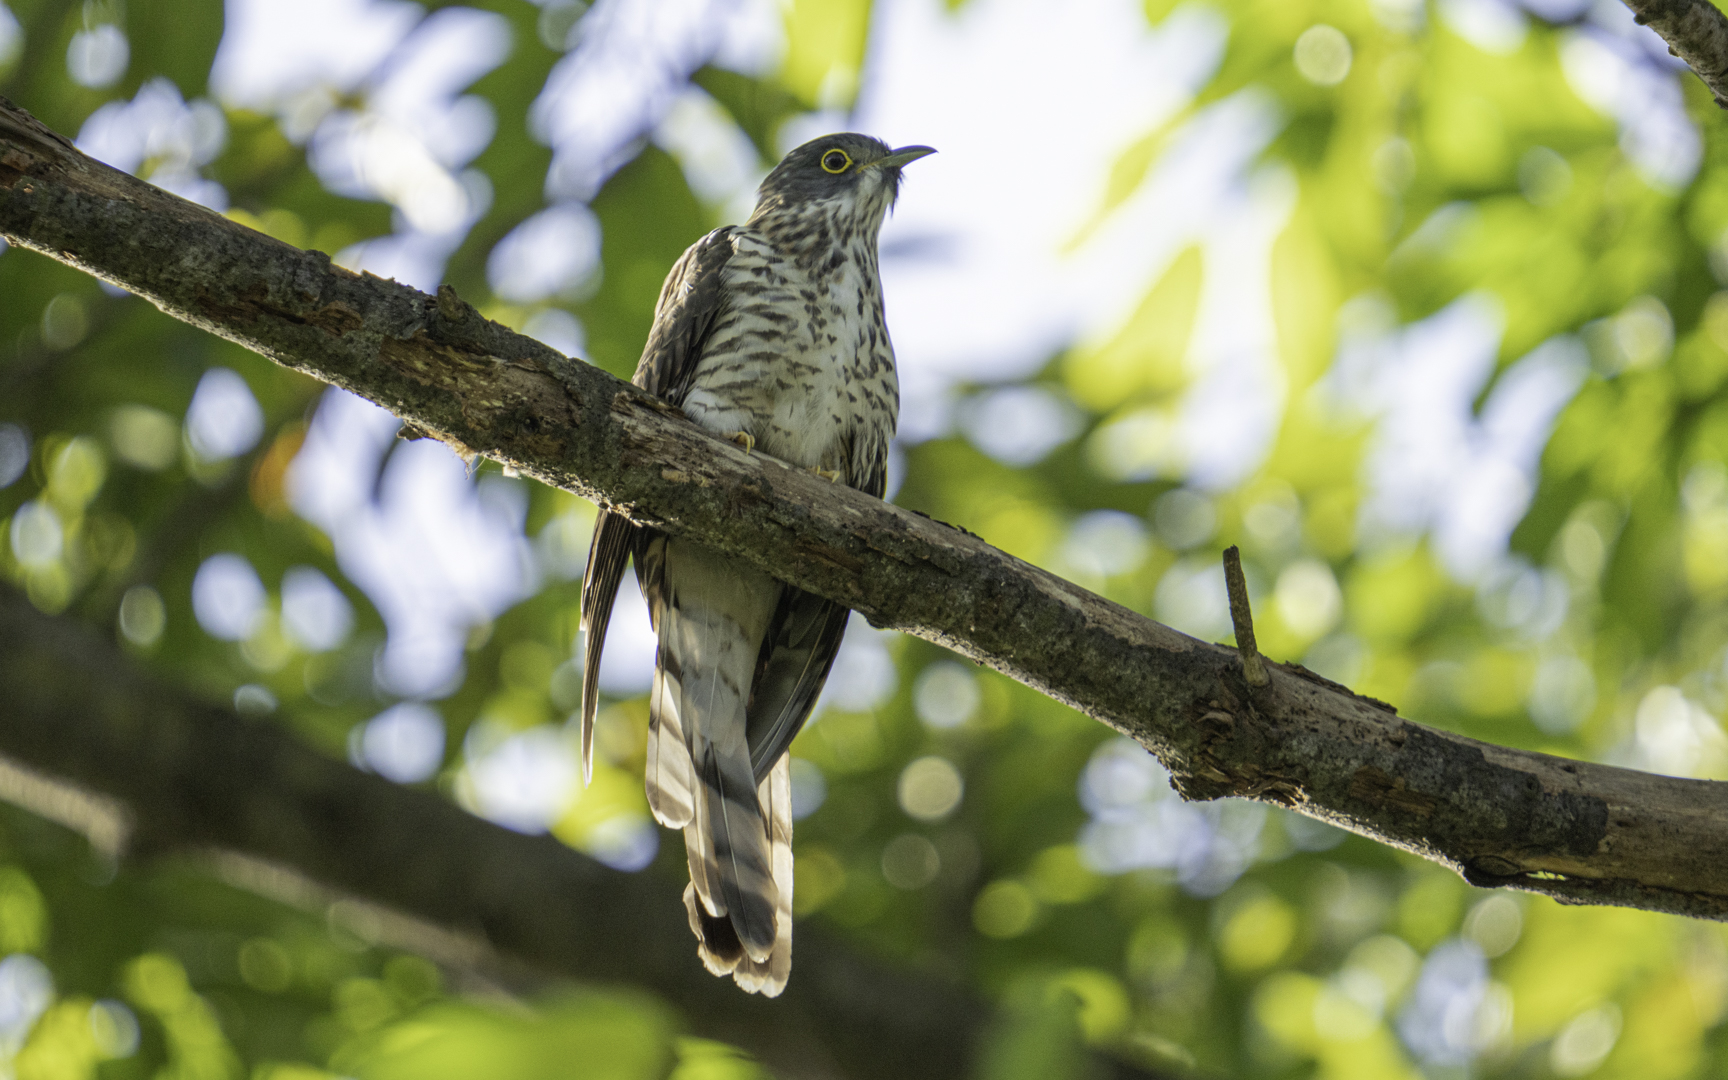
x,y
903,156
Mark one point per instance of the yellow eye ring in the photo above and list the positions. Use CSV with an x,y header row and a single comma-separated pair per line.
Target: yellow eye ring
x,y
836,161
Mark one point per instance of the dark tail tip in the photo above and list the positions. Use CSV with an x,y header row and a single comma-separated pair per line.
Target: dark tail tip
x,y
719,937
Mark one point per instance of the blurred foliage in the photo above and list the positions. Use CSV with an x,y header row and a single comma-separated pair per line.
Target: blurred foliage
x,y
1425,168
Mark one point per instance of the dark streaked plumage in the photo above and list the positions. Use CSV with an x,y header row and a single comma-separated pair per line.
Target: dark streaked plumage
x,y
770,333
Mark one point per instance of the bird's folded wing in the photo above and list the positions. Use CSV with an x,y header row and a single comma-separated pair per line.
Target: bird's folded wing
x,y
689,302
796,657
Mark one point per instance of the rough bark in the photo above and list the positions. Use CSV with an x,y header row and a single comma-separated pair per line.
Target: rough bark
x,y
1580,832
1697,32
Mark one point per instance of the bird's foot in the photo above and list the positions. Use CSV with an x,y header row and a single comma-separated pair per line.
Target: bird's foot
x,y
830,475
744,439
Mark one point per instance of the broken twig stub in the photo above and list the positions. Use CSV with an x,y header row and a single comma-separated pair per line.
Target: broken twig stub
x,y
1243,618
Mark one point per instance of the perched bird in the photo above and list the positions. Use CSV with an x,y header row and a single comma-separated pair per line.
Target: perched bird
x,y
770,334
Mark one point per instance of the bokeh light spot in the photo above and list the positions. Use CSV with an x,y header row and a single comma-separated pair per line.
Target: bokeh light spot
x,y
23,912
1258,934
809,788
1183,518
26,991
14,453
626,842
1191,597
64,322
1323,55
930,788
1494,924
864,676
558,328
1019,425
546,255
1308,598
404,743
1004,909
557,23
11,38
266,966
144,437
227,597
114,1029
315,614
75,474
1106,543
1585,1042
1563,693
524,781
97,57
910,861
37,537
252,699
945,695
224,419
1060,876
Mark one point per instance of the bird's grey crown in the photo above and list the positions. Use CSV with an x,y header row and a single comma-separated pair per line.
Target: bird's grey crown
x,y
800,177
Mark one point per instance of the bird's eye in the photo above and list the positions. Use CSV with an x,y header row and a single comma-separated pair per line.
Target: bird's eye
x,y
836,161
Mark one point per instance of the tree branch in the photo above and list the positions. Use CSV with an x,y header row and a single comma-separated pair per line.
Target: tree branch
x,y
1581,832
1697,32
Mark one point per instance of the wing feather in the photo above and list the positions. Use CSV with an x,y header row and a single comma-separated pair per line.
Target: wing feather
x,y
690,301
803,640
796,657
607,553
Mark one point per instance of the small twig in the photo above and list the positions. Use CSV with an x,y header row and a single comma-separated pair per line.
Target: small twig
x,y
1252,669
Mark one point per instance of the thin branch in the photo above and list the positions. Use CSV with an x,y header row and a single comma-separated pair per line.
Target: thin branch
x,y
1697,32
1242,617
1582,832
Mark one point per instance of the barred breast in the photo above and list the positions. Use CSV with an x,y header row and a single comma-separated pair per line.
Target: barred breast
x,y
800,358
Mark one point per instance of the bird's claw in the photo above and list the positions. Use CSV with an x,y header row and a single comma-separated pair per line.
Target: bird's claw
x,y
830,475
744,439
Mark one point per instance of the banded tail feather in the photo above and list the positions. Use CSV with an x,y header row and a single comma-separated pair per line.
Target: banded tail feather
x,y
670,774
711,628
736,845
719,945
768,976
741,661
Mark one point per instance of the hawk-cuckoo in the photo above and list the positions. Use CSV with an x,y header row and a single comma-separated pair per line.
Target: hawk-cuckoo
x,y
770,334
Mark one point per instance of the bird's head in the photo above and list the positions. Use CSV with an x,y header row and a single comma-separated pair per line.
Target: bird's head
x,y
854,174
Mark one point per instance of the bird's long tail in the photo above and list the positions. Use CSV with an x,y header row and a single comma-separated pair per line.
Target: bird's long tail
x,y
719,947
711,629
